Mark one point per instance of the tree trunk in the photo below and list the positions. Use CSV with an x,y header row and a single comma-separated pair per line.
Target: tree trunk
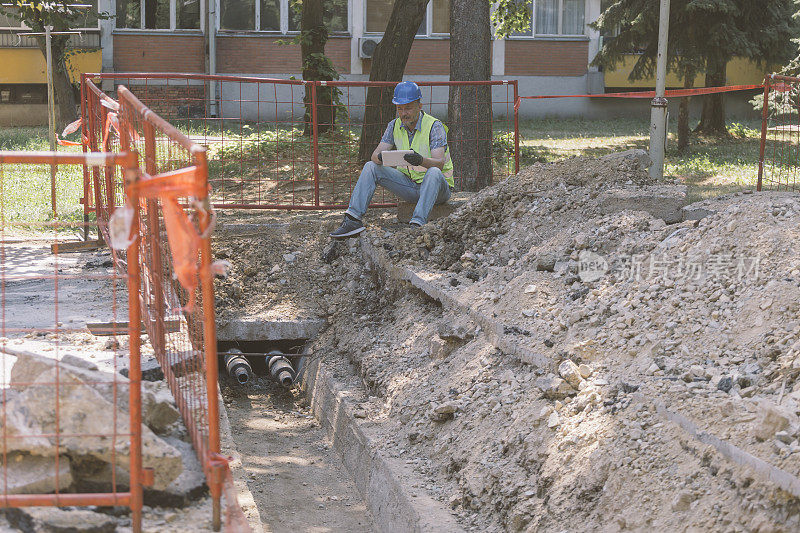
x,y
316,66
388,64
66,104
469,110
712,120
683,113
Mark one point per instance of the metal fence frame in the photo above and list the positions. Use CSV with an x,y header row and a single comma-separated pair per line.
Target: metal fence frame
x,y
145,82
138,476
783,160
188,357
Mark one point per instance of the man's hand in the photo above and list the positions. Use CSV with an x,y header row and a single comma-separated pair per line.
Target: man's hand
x,y
414,158
380,157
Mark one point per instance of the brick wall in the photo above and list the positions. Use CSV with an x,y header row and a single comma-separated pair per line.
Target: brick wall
x,y
158,53
546,58
173,101
427,57
262,54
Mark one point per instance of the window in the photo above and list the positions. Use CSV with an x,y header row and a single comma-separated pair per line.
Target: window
x,y
435,21
277,15
441,16
159,14
559,17
554,17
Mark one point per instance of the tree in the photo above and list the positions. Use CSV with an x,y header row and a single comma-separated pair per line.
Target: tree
x,y
704,36
62,17
317,66
388,64
469,111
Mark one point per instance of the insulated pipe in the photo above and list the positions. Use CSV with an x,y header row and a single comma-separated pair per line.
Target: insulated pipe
x,y
238,366
280,368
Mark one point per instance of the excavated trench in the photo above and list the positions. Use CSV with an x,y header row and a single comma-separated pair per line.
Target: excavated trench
x,y
469,378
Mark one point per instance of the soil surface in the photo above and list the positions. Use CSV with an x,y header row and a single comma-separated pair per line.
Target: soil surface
x,y
698,315
296,479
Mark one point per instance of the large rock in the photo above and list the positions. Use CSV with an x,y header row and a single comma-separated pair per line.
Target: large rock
x,y
661,201
184,489
570,372
84,403
405,210
158,408
158,405
34,474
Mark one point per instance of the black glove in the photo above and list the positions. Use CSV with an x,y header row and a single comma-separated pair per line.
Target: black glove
x,y
380,157
414,158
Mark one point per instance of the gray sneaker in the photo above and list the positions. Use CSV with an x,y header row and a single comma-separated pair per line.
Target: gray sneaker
x,y
350,228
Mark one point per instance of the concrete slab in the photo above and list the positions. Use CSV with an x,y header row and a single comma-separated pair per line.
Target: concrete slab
x,y
392,491
661,201
269,330
493,329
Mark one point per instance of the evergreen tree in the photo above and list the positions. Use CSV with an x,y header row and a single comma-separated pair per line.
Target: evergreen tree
x,y
704,36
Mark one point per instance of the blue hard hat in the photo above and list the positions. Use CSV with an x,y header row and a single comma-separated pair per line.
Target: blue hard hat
x,y
406,92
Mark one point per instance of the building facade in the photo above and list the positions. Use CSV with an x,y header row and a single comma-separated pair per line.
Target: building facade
x,y
552,56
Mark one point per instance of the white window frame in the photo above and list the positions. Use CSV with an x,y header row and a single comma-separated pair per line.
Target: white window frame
x,y
173,20
560,22
284,20
533,34
428,24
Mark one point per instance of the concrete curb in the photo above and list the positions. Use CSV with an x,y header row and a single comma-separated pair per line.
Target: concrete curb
x,y
493,329
243,494
384,482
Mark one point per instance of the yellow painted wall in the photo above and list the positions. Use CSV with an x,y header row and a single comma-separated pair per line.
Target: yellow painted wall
x,y
740,72
27,65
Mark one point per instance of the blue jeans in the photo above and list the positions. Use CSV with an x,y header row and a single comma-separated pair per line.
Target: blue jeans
x,y
433,190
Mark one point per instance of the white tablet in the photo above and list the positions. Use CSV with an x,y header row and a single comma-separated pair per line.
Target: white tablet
x,y
394,158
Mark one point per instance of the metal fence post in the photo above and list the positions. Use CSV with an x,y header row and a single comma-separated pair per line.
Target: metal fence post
x,y
517,102
764,119
315,140
135,372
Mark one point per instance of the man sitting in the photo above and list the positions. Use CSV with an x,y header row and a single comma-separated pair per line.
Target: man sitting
x,y
428,180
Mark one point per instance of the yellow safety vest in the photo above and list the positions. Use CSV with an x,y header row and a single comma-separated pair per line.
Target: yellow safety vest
x,y
422,145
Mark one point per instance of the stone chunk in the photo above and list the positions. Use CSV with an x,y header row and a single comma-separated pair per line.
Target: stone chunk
x,y
34,474
570,372
661,201
770,420
57,520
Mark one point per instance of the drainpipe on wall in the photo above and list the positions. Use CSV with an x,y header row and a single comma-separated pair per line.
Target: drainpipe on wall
x,y
107,41
211,55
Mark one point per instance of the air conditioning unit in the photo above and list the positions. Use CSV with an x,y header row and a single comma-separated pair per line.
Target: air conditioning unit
x,y
367,45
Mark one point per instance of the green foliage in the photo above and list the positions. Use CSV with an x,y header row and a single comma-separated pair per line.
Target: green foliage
x,y
702,32
62,15
315,62
741,131
503,151
511,16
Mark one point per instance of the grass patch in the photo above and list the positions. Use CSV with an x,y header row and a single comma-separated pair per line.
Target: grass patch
x,y
709,166
253,164
25,189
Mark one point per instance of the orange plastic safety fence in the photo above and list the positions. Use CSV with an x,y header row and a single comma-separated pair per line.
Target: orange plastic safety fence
x,y
175,222
70,427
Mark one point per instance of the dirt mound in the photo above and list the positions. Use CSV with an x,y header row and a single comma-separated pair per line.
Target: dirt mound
x,y
700,316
